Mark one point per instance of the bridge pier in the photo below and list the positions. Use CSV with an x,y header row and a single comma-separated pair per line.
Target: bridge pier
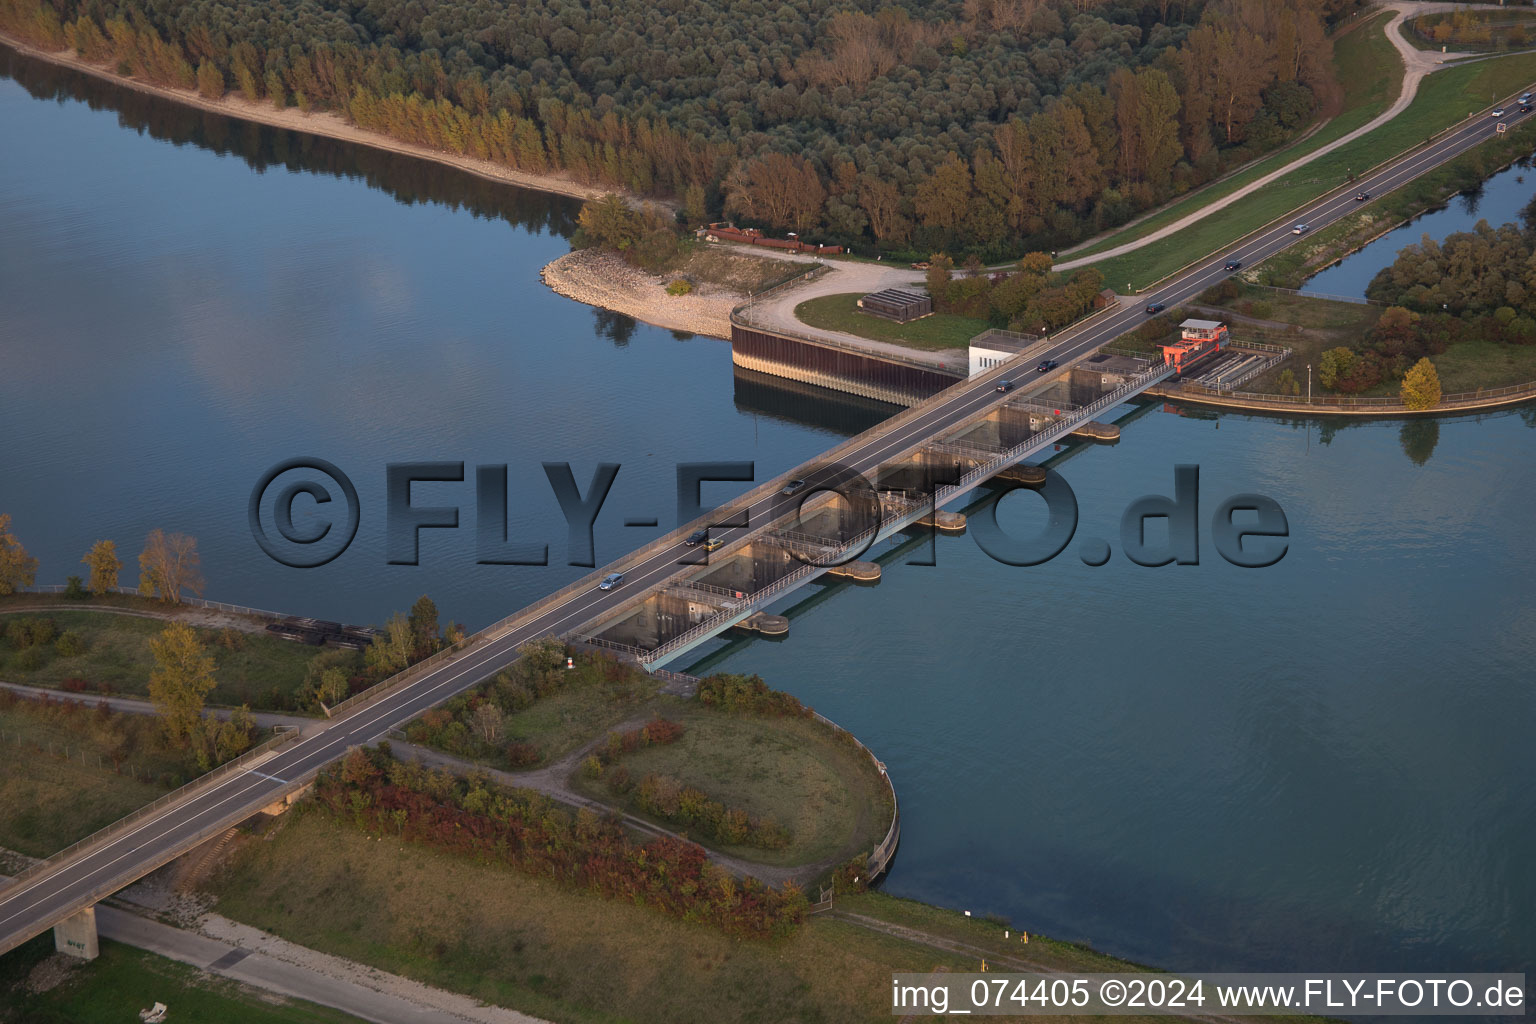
x,y
77,935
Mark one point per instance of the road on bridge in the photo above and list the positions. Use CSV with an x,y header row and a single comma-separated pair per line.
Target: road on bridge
x,y
36,903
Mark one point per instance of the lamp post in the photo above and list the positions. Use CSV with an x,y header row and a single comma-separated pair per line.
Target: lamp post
x,y
1309,383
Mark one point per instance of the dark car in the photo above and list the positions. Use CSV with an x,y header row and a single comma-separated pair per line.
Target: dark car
x,y
1005,385
1361,197
1046,366
792,487
1154,308
1525,108
1234,265
697,537
610,581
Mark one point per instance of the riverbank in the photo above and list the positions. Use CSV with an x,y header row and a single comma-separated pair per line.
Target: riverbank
x,y
1380,407
605,280
315,122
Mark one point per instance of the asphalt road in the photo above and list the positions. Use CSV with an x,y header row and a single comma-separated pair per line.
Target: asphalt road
x,y
37,903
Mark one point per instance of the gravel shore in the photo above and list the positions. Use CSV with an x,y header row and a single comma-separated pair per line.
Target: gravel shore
x,y
603,279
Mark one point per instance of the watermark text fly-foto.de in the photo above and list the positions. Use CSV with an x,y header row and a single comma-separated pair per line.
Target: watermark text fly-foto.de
x,y
305,512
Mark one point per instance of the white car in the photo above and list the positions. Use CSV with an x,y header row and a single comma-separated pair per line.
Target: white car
x,y
1299,229
1525,97
1498,111
610,581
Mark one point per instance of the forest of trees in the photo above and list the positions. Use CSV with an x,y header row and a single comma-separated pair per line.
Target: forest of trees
x,y
989,126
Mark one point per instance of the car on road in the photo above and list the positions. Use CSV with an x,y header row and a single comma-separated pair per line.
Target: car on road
x,y
1153,308
1300,229
1525,108
1005,385
1525,98
1234,265
1046,366
1362,196
1498,111
610,581
697,537
792,487
714,544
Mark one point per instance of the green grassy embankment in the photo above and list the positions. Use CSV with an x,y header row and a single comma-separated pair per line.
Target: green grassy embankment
x,y
1444,99
524,943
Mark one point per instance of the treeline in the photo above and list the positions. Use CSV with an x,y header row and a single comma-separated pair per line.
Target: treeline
x,y
1489,28
1475,285
988,126
531,833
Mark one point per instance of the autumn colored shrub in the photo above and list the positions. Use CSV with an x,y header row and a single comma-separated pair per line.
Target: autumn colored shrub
x,y
667,798
657,732
523,755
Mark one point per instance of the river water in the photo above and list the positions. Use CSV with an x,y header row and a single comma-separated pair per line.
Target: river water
x,y
1323,764
1499,200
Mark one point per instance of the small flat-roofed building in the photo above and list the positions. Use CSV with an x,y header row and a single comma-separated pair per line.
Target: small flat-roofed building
x,y
898,304
994,347
1197,338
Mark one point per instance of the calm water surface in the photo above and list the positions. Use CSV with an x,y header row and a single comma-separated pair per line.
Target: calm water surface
x,y
1325,764
1498,201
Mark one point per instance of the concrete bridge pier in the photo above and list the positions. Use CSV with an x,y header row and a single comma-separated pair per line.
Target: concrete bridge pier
x,y
77,935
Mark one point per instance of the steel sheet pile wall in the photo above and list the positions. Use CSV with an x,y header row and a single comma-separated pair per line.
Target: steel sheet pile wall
x,y
836,368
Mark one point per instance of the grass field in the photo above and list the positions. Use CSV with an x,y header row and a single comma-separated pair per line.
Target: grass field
x,y
841,313
1444,99
792,771
118,656
48,801
574,716
524,943
1370,72
1477,364
113,988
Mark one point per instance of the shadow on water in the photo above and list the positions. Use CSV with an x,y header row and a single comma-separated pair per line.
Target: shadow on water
x,y
410,180
807,404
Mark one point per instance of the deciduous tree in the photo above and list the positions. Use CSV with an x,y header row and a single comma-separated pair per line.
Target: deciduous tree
x,y
168,565
104,565
182,678
17,568
1421,386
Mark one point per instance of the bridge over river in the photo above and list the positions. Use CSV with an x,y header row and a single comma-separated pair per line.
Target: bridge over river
x,y
971,431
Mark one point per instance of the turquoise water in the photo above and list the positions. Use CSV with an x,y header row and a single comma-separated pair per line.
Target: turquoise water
x,y
1323,764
